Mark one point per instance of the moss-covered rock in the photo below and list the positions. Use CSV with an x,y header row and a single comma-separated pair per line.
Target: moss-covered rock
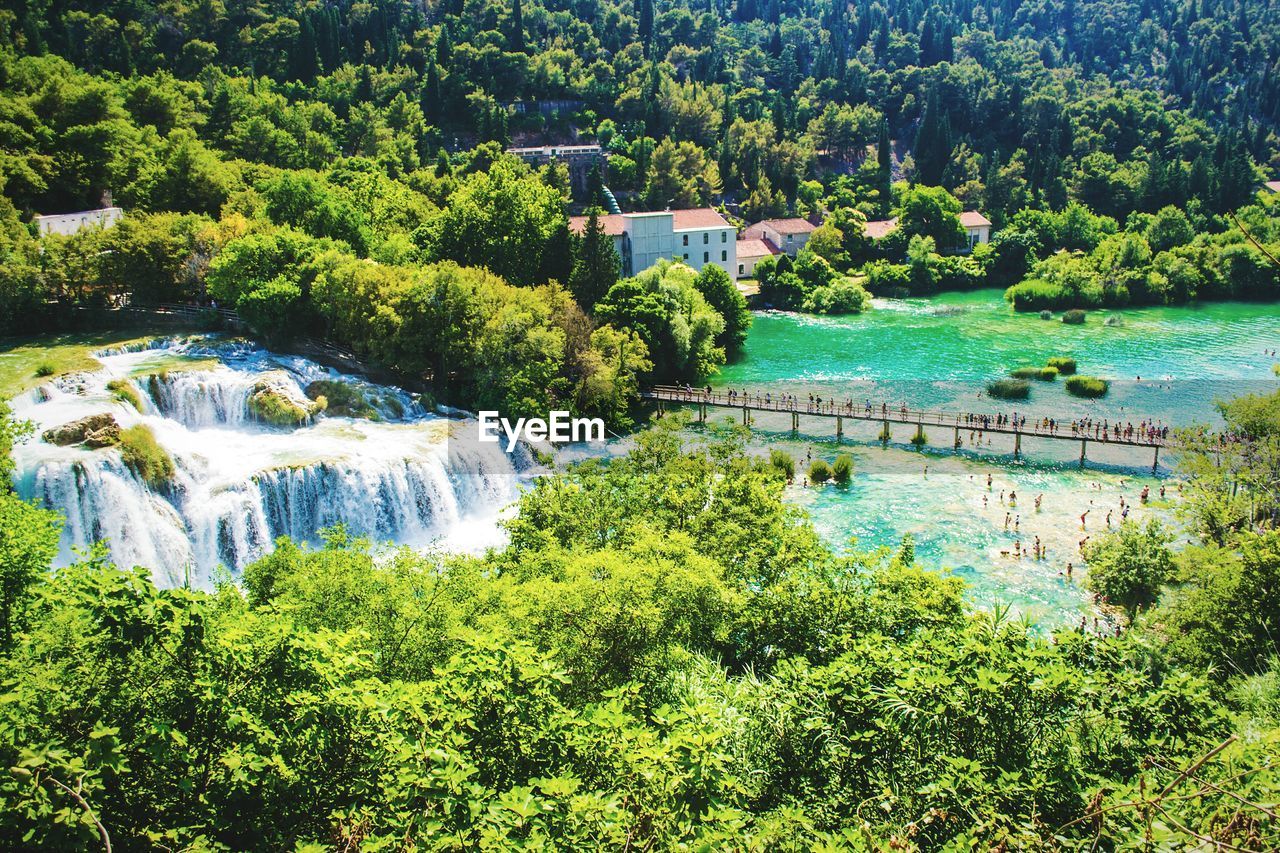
x,y
145,457
1009,389
275,401
124,391
342,399
77,431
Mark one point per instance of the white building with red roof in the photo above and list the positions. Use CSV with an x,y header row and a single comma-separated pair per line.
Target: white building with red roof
x,y
785,235
750,253
697,237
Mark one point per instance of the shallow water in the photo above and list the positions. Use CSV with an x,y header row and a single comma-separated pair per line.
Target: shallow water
x,y
940,353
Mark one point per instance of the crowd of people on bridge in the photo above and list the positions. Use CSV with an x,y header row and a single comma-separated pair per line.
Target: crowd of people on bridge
x,y
1147,431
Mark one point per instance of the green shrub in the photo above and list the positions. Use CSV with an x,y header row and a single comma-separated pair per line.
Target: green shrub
x,y
920,439
885,436
819,471
842,469
1047,374
1087,386
1046,314
1038,295
342,399
1074,317
782,461
1009,389
1066,366
44,369
145,457
1025,373
124,391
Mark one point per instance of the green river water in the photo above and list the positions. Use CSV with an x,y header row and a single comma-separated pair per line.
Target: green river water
x,y
939,353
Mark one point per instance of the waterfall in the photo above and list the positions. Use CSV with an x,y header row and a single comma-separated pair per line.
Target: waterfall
x,y
404,476
200,398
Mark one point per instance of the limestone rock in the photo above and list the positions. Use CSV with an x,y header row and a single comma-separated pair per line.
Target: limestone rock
x,y
78,431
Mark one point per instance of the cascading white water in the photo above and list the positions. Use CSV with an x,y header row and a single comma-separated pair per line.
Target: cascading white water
x,y
410,478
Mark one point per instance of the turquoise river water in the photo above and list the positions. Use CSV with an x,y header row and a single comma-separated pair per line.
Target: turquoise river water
x,y
939,353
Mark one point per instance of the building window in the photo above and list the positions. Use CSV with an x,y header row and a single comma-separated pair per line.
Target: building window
x,y
706,238
686,241
706,256
686,256
741,269
724,236
788,238
724,255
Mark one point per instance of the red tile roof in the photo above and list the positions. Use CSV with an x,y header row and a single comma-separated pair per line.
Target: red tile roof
x,y
611,222
877,228
1274,186
755,249
973,219
681,220
789,226
701,217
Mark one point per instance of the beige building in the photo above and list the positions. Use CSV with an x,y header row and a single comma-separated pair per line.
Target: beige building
x,y
977,228
785,235
67,224
697,237
580,159
750,253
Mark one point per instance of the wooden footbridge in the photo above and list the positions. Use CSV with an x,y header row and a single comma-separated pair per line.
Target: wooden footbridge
x,y
887,415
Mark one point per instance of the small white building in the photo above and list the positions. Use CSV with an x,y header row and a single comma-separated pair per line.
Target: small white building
x,y
750,253
67,224
695,237
785,235
977,227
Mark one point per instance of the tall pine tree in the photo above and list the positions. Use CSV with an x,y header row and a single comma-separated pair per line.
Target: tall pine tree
x,y
596,263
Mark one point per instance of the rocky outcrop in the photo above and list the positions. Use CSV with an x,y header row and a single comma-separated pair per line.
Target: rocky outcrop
x,y
94,430
275,400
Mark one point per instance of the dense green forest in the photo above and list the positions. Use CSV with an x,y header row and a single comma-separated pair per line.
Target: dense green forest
x,y
665,655
1124,131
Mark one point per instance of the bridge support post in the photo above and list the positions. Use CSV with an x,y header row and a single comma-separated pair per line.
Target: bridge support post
x,y
839,428
746,418
920,431
1084,442
1155,463
795,422
702,412
957,441
884,432
1017,445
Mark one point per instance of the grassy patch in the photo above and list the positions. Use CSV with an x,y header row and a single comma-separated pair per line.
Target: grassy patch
x,y
1074,317
145,457
1087,386
819,471
1009,389
782,462
842,469
1025,373
28,362
1066,366
124,391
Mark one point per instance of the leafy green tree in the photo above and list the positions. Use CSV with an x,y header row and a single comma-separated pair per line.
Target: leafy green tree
x,y
722,294
500,219
1129,566
929,211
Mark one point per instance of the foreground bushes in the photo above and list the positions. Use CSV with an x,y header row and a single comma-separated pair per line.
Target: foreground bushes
x,y
1065,366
